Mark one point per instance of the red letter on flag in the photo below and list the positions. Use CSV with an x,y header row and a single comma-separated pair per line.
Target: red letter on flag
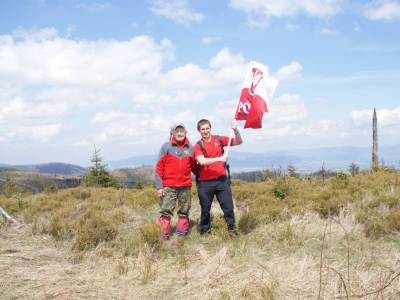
x,y
258,89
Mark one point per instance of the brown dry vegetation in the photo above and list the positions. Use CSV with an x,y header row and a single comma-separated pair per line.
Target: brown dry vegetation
x,y
336,238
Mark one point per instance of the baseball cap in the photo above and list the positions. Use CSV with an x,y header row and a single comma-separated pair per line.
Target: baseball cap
x,y
178,125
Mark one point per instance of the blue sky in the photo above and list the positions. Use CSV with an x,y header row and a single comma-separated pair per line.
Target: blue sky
x,y
118,74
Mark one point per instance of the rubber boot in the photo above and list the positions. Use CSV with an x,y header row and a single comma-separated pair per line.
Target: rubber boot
x,y
183,226
165,224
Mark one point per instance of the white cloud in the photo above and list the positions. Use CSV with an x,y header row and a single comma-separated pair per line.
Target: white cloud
x,y
129,127
144,98
70,29
327,31
288,8
361,117
287,108
252,22
81,63
327,124
292,27
176,10
181,96
82,143
115,90
72,76
189,96
209,40
35,34
280,131
289,72
38,133
226,59
356,27
385,117
322,101
389,117
383,10
18,108
95,7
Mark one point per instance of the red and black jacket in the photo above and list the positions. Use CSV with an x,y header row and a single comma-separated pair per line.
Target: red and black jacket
x,y
175,164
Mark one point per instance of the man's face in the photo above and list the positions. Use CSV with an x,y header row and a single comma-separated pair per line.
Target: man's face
x,y
205,131
179,134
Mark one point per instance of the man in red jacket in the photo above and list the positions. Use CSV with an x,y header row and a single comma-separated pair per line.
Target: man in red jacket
x,y
212,178
175,163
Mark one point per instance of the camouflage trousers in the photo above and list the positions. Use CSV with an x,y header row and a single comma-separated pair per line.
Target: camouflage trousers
x,y
176,196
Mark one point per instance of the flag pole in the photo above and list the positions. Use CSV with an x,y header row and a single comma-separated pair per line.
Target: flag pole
x,y
230,139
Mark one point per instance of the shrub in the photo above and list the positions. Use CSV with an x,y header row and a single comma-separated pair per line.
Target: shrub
x,y
281,189
248,222
384,224
139,185
292,171
93,230
353,169
151,234
51,188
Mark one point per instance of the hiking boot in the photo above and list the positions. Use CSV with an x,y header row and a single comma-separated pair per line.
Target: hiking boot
x,y
231,227
203,233
182,233
165,237
232,231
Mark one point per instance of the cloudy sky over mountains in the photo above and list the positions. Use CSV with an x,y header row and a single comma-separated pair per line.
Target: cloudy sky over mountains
x,y
118,74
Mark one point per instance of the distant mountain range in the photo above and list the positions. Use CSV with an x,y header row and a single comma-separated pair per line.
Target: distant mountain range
x,y
50,168
305,161
310,160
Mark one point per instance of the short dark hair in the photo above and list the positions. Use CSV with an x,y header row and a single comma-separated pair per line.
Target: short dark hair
x,y
202,122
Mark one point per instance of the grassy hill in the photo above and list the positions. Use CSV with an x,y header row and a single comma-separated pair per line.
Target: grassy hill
x,y
131,176
35,181
324,238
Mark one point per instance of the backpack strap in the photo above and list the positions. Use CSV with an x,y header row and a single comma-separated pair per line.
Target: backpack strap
x,y
226,165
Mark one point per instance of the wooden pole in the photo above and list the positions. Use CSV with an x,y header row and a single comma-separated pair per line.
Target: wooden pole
x,y
374,140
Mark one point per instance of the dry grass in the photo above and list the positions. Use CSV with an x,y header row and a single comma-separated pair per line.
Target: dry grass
x,y
256,266
287,254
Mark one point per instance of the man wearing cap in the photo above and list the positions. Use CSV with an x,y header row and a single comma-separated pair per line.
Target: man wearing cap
x,y
175,163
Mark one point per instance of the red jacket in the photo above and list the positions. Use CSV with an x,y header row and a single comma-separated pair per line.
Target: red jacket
x,y
212,149
174,165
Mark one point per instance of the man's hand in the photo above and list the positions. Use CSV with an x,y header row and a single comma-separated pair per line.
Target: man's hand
x,y
223,158
160,193
234,125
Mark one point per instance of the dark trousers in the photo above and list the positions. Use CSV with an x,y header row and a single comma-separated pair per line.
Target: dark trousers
x,y
206,190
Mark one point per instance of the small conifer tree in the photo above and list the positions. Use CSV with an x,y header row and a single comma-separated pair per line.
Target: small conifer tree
x,y
353,169
98,173
292,171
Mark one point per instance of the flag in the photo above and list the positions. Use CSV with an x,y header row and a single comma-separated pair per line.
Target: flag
x,y
258,90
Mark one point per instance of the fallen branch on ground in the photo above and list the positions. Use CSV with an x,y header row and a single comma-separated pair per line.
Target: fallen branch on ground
x,y
4,213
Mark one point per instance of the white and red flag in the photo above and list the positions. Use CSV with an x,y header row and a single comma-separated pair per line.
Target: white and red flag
x,y
257,92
